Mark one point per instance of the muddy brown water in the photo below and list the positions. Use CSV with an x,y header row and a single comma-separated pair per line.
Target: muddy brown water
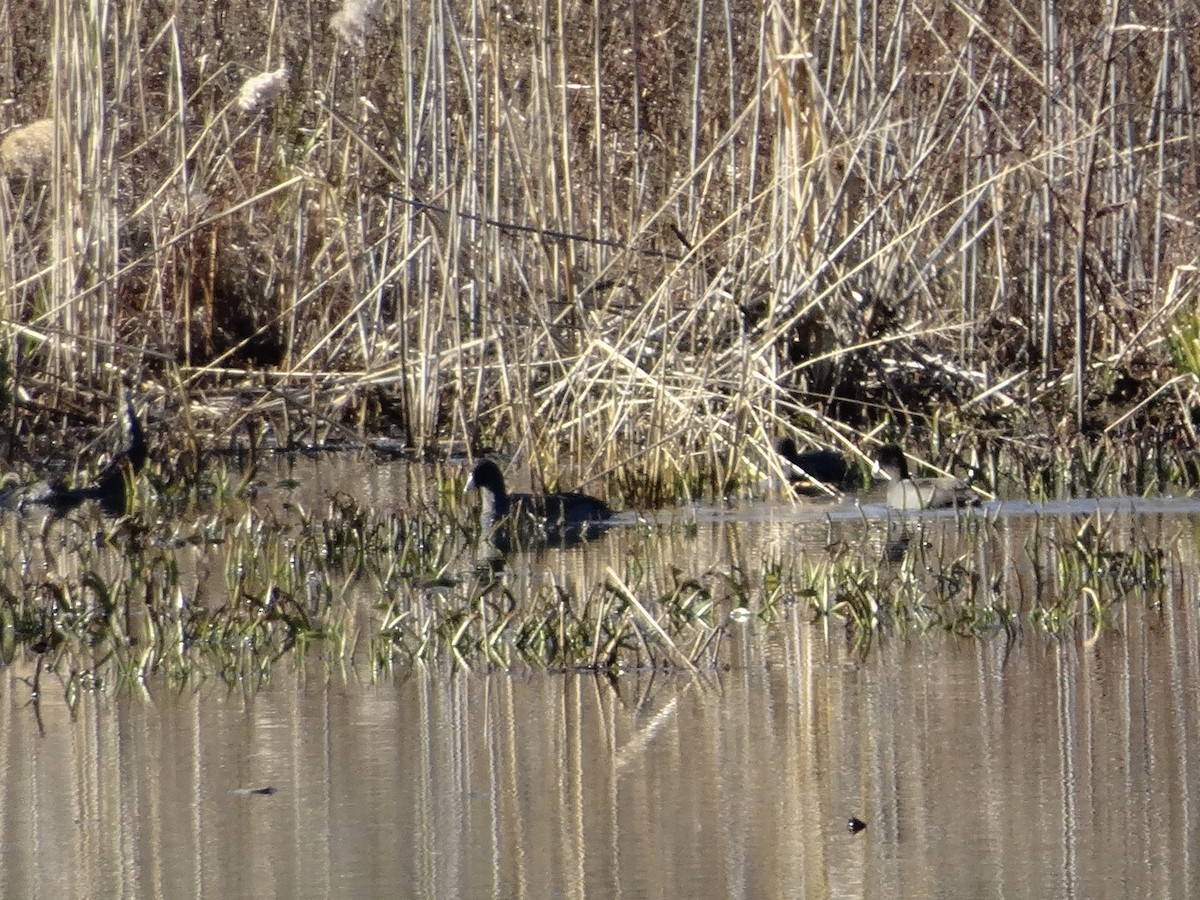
x,y
1044,767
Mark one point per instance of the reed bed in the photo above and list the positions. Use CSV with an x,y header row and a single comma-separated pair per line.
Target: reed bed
x,y
636,242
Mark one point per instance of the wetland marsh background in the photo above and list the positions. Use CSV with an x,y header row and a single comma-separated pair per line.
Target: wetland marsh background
x,y
623,248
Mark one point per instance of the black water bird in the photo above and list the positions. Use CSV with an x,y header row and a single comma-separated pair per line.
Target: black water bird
x,y
825,466
534,517
109,486
910,493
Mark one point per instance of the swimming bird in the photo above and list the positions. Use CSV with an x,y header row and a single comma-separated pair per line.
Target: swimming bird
x,y
907,492
110,485
532,517
129,460
824,466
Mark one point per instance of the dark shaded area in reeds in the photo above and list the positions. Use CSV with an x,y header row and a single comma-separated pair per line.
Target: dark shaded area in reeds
x,y
645,243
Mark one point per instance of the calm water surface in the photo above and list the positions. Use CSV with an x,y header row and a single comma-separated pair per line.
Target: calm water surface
x,y
1044,768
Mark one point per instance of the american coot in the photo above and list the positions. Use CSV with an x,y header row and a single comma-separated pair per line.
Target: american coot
x,y
819,465
559,516
907,492
110,483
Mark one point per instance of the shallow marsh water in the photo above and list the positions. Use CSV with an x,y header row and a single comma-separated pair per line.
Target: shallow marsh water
x,y
982,767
